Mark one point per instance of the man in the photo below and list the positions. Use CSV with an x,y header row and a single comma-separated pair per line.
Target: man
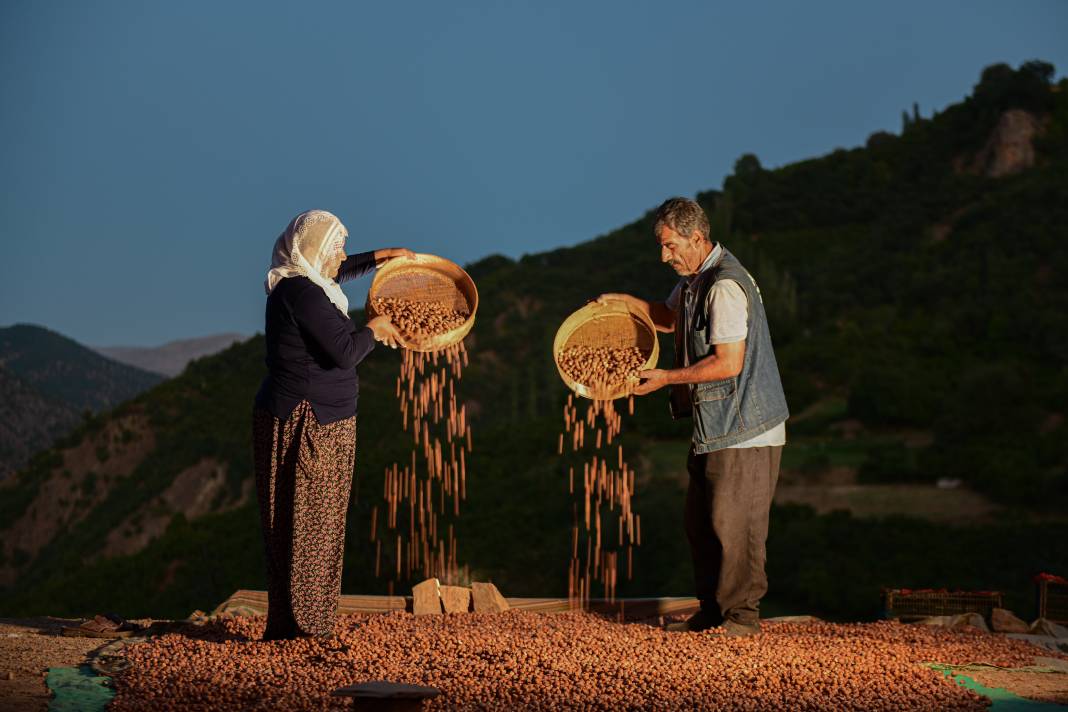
x,y
726,377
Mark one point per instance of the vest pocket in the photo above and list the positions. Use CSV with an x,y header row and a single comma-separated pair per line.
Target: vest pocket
x,y
715,409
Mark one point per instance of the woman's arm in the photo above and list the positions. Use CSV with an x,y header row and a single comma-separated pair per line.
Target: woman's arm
x,y
356,266
337,335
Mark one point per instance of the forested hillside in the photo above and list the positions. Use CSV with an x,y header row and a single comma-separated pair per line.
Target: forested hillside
x,y
48,383
918,300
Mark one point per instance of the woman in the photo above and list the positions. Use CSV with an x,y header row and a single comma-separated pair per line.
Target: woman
x,y
304,420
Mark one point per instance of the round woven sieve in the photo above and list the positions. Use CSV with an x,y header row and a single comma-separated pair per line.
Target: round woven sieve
x,y
427,278
614,324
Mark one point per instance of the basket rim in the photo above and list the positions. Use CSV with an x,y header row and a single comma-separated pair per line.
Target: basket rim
x,y
589,312
426,262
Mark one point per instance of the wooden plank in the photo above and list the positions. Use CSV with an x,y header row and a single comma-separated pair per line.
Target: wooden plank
x,y
624,608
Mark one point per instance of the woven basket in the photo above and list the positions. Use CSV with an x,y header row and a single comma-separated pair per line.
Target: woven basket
x,y
614,324
427,278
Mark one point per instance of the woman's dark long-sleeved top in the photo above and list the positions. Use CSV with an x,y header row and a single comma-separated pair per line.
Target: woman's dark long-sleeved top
x,y
313,349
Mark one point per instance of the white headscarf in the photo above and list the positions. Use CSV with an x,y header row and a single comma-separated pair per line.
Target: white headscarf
x,y
306,245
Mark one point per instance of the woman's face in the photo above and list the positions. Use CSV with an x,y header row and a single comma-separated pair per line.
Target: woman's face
x,y
333,263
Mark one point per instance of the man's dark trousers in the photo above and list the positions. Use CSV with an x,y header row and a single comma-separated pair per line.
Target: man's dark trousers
x,y
727,507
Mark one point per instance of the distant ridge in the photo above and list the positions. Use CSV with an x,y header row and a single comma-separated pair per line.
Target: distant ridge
x,y
48,382
171,358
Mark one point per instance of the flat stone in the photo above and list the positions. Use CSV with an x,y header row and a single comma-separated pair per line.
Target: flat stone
x,y
1004,621
456,599
426,598
487,599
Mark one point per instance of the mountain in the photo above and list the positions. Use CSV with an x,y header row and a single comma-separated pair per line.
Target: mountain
x,y
917,289
48,383
173,356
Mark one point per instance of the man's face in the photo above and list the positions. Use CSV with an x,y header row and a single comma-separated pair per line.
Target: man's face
x,y
684,254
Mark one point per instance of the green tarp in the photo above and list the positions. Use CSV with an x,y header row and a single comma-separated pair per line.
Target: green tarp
x,y
78,690
1001,700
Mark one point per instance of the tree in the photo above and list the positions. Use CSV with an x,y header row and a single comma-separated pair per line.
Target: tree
x,y
747,166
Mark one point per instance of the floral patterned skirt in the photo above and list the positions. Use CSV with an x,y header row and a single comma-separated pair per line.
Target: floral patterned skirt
x,y
303,478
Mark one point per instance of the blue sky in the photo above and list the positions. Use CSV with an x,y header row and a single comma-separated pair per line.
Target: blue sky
x,y
153,151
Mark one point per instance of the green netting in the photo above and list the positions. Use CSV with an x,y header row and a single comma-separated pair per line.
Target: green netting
x,y
78,690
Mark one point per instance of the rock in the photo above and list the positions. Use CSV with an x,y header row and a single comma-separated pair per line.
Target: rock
x,y
1008,150
456,599
1048,628
487,599
1004,621
426,598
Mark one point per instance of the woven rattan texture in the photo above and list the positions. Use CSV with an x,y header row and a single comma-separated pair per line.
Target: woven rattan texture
x,y
428,278
612,331
612,325
420,285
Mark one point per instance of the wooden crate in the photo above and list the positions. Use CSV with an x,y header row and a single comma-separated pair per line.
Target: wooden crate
x,y
1052,598
906,604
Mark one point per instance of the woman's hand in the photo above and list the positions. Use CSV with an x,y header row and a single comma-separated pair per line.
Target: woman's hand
x,y
391,253
386,332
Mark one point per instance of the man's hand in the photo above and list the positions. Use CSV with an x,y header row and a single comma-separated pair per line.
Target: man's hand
x,y
611,296
653,379
386,332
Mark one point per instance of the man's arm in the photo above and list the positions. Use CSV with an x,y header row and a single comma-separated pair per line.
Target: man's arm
x,y
725,362
659,313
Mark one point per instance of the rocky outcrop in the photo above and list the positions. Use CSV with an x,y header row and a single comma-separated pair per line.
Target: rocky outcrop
x,y
194,492
1009,149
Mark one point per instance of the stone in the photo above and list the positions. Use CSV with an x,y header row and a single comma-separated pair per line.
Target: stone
x,y
1008,150
487,599
456,599
1004,621
426,598
1048,628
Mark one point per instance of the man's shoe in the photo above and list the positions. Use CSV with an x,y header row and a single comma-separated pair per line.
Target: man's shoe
x,y
702,620
734,629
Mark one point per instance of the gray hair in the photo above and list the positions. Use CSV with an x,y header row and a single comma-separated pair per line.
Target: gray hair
x,y
681,215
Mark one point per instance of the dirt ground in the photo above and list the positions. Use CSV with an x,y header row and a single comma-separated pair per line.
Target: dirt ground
x,y
1042,687
28,647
